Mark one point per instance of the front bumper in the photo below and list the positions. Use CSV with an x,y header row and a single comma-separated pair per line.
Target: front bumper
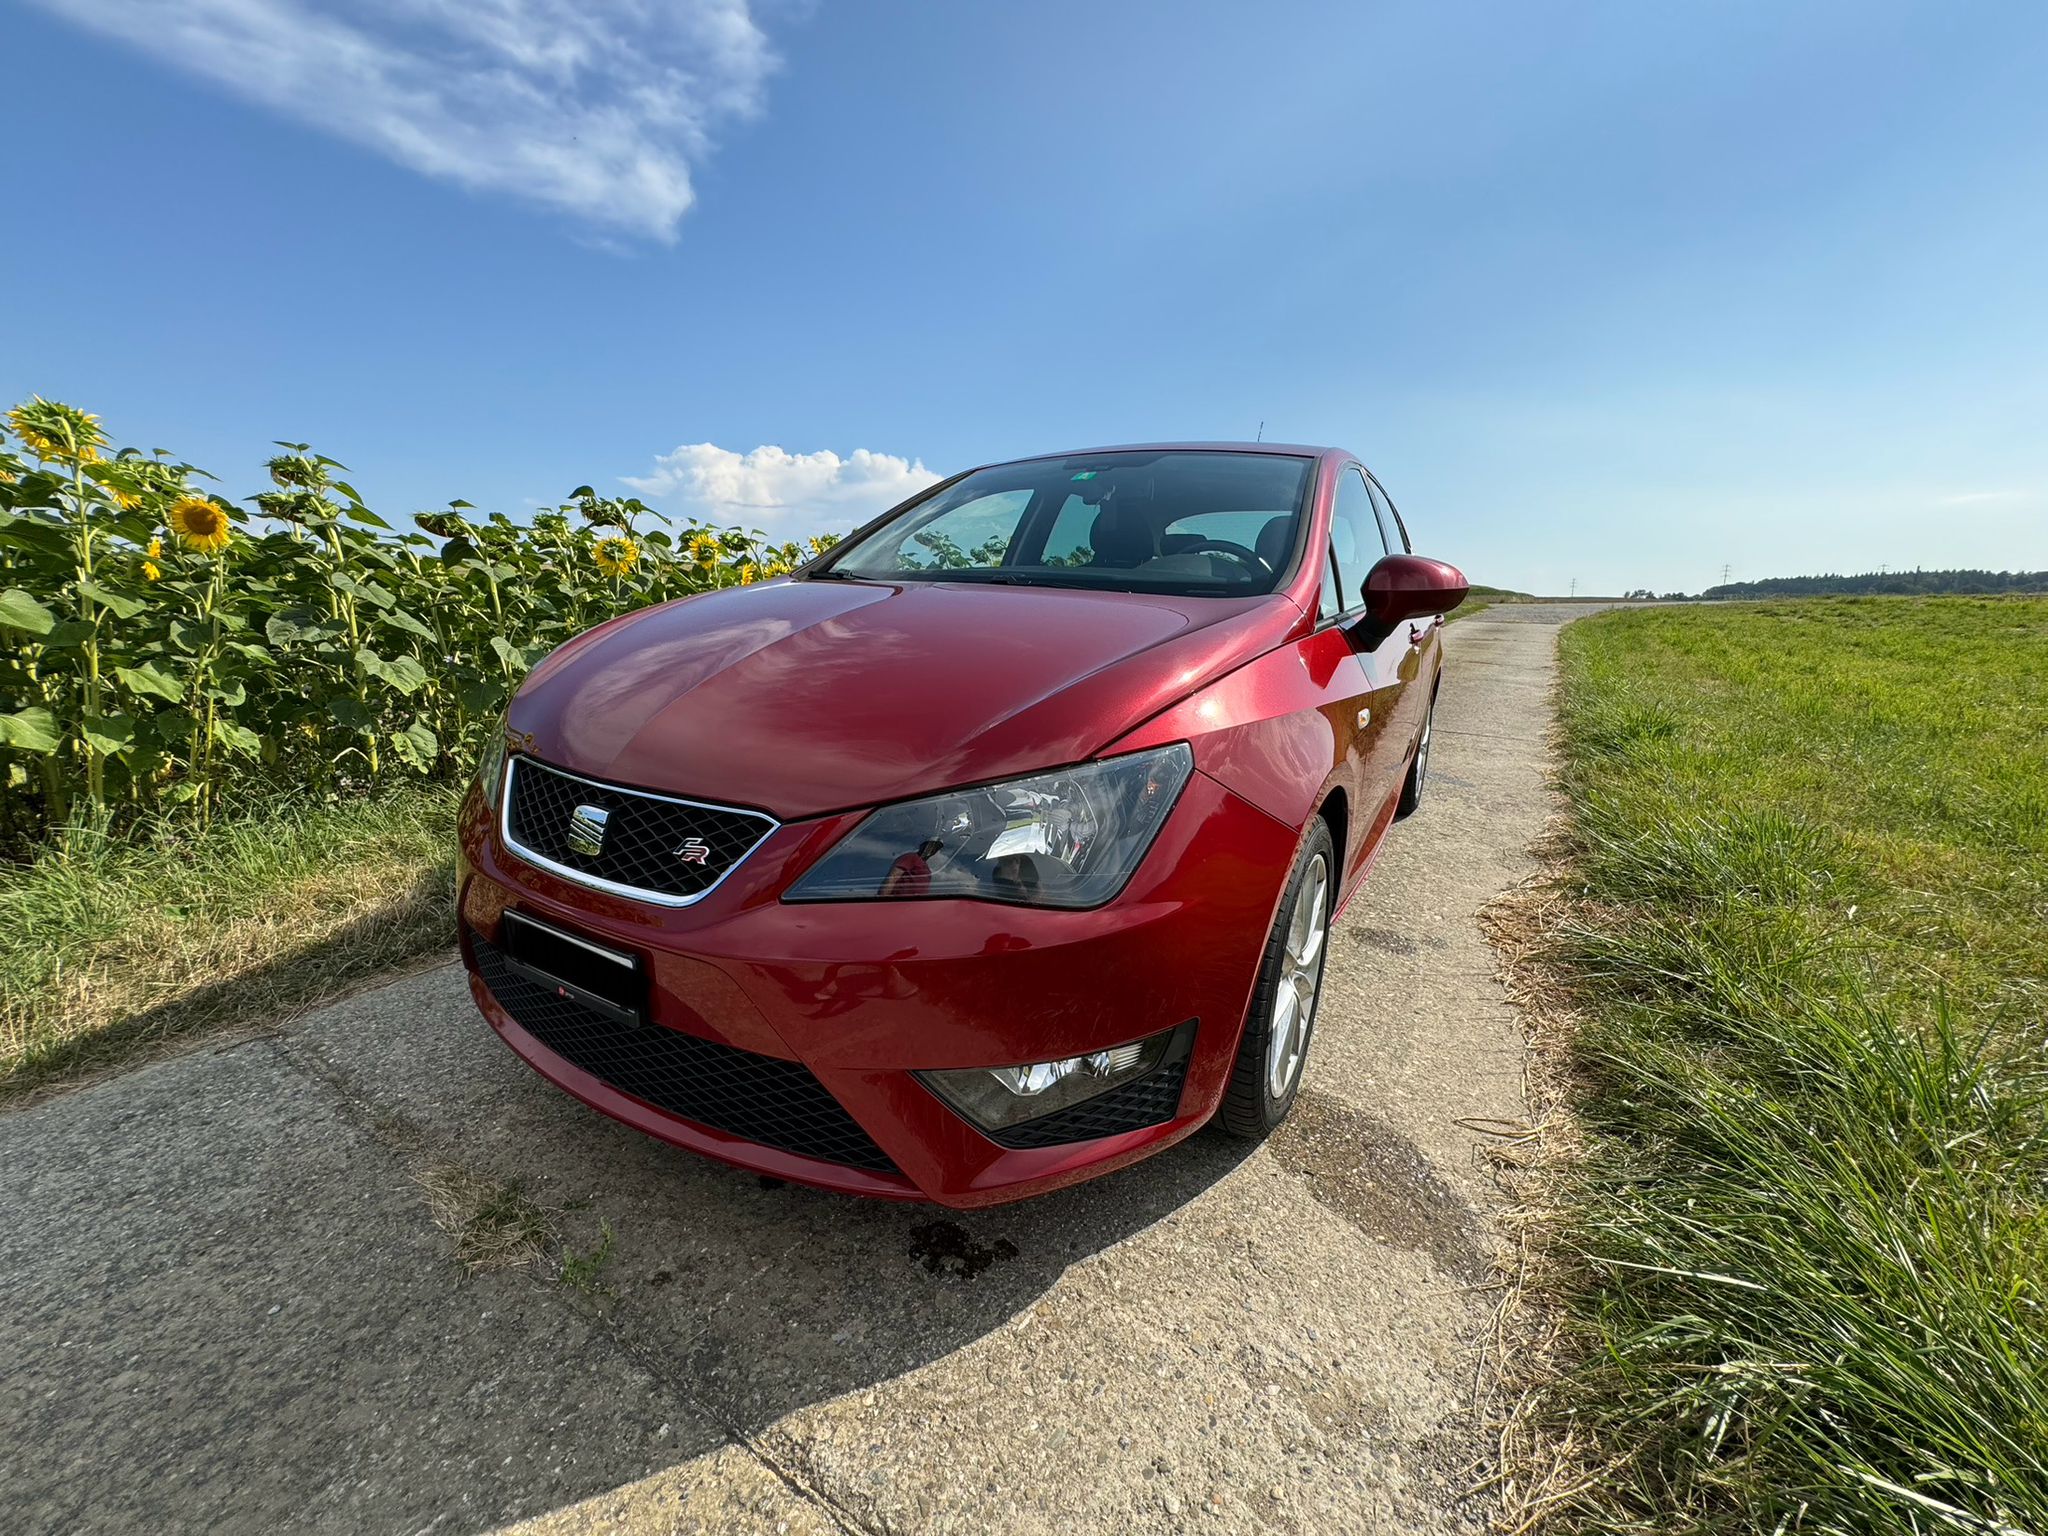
x,y
859,995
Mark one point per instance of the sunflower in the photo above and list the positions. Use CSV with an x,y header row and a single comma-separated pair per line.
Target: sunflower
x,y
822,542
748,572
295,506
616,556
151,571
601,513
51,430
201,525
704,550
294,471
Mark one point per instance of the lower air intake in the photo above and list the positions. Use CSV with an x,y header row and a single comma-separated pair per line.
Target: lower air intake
x,y
762,1099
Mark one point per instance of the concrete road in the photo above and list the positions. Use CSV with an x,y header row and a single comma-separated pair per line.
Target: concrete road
x,y
227,1308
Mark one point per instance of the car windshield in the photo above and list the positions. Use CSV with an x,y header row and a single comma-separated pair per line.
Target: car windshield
x,y
1188,523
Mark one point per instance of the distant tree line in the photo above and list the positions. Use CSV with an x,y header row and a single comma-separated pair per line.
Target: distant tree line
x,y
1894,583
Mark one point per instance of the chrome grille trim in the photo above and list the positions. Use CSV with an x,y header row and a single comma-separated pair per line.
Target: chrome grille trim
x,y
769,826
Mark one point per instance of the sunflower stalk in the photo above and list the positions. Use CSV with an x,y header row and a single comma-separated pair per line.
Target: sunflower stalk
x,y
89,652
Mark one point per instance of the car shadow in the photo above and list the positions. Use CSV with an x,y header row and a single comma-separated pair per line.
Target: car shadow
x,y
750,1296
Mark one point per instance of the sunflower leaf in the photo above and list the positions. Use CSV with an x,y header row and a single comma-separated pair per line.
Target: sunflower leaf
x,y
398,618
238,739
20,611
29,730
351,714
147,679
108,734
418,746
403,673
120,606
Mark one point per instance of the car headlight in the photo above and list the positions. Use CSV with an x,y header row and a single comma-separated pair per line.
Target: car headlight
x,y
490,763
1068,838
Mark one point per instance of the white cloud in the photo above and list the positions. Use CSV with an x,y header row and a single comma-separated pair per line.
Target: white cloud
x,y
789,494
598,107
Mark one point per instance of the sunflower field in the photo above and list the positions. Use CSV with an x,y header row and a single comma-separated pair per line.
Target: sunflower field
x,y
164,650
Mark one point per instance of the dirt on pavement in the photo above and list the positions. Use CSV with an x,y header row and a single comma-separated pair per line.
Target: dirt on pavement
x,y
228,1306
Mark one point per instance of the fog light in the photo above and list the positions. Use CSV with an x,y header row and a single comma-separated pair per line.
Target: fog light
x,y
996,1098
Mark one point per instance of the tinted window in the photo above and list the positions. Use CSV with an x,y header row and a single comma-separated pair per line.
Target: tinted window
x,y
1354,536
1194,523
1391,526
976,532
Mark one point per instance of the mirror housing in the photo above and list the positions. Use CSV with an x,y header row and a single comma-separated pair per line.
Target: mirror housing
x,y
1411,587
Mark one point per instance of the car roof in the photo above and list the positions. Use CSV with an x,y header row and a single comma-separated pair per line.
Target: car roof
x,y
1287,450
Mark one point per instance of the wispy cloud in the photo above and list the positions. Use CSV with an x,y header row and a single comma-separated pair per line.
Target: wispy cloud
x,y
597,107
1982,498
788,494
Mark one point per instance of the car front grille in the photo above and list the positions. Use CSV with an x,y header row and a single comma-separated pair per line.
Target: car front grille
x,y
1152,1099
655,847
763,1099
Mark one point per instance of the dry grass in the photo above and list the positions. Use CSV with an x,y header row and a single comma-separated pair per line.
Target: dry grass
x,y
110,948
1538,1469
495,1224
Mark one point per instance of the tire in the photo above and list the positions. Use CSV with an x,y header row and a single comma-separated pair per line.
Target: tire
x,y
1268,1070
1418,771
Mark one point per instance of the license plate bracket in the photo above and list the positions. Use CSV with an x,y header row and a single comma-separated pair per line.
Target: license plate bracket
x,y
612,982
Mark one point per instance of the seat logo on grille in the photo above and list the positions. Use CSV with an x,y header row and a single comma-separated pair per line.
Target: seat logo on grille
x,y
693,850
586,830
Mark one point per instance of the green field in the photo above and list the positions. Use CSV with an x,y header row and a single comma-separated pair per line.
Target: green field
x,y
1805,1255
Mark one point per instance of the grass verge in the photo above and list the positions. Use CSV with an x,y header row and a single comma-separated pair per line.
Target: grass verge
x,y
1800,1248
110,946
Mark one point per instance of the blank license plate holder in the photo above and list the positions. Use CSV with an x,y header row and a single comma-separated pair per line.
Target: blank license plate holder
x,y
609,981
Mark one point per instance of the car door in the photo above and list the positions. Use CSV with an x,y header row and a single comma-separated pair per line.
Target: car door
x,y
1387,662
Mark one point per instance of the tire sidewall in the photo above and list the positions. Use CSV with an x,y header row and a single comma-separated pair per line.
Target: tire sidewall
x,y
1255,1114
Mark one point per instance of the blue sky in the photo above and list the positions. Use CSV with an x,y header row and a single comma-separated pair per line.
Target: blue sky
x,y
1616,294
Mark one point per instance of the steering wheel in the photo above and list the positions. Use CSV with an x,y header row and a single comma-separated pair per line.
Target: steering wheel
x,y
1225,547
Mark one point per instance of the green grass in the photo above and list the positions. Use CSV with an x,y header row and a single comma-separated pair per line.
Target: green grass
x,y
109,946
1805,1252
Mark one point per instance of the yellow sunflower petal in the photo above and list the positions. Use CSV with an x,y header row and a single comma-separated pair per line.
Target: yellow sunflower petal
x,y
201,525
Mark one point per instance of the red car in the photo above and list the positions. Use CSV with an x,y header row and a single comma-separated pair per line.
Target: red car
x,y
993,849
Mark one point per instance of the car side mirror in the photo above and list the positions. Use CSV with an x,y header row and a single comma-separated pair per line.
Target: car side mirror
x,y
1411,587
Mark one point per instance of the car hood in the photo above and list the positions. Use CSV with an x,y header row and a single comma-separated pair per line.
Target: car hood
x,y
802,697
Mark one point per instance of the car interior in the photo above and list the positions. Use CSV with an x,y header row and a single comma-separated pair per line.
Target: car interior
x,y
1199,522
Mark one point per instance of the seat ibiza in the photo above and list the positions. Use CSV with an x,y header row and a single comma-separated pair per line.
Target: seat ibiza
x,y
994,849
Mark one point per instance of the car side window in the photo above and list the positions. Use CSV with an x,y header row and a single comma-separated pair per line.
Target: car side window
x,y
975,532
1391,526
1067,541
1355,538
1331,604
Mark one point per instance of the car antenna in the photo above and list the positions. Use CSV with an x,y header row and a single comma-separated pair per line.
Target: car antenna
x,y
1262,433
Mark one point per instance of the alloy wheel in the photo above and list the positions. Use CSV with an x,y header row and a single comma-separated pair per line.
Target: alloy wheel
x,y
1294,999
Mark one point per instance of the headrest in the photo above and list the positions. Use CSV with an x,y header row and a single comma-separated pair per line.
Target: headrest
x,y
1275,539
1121,535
